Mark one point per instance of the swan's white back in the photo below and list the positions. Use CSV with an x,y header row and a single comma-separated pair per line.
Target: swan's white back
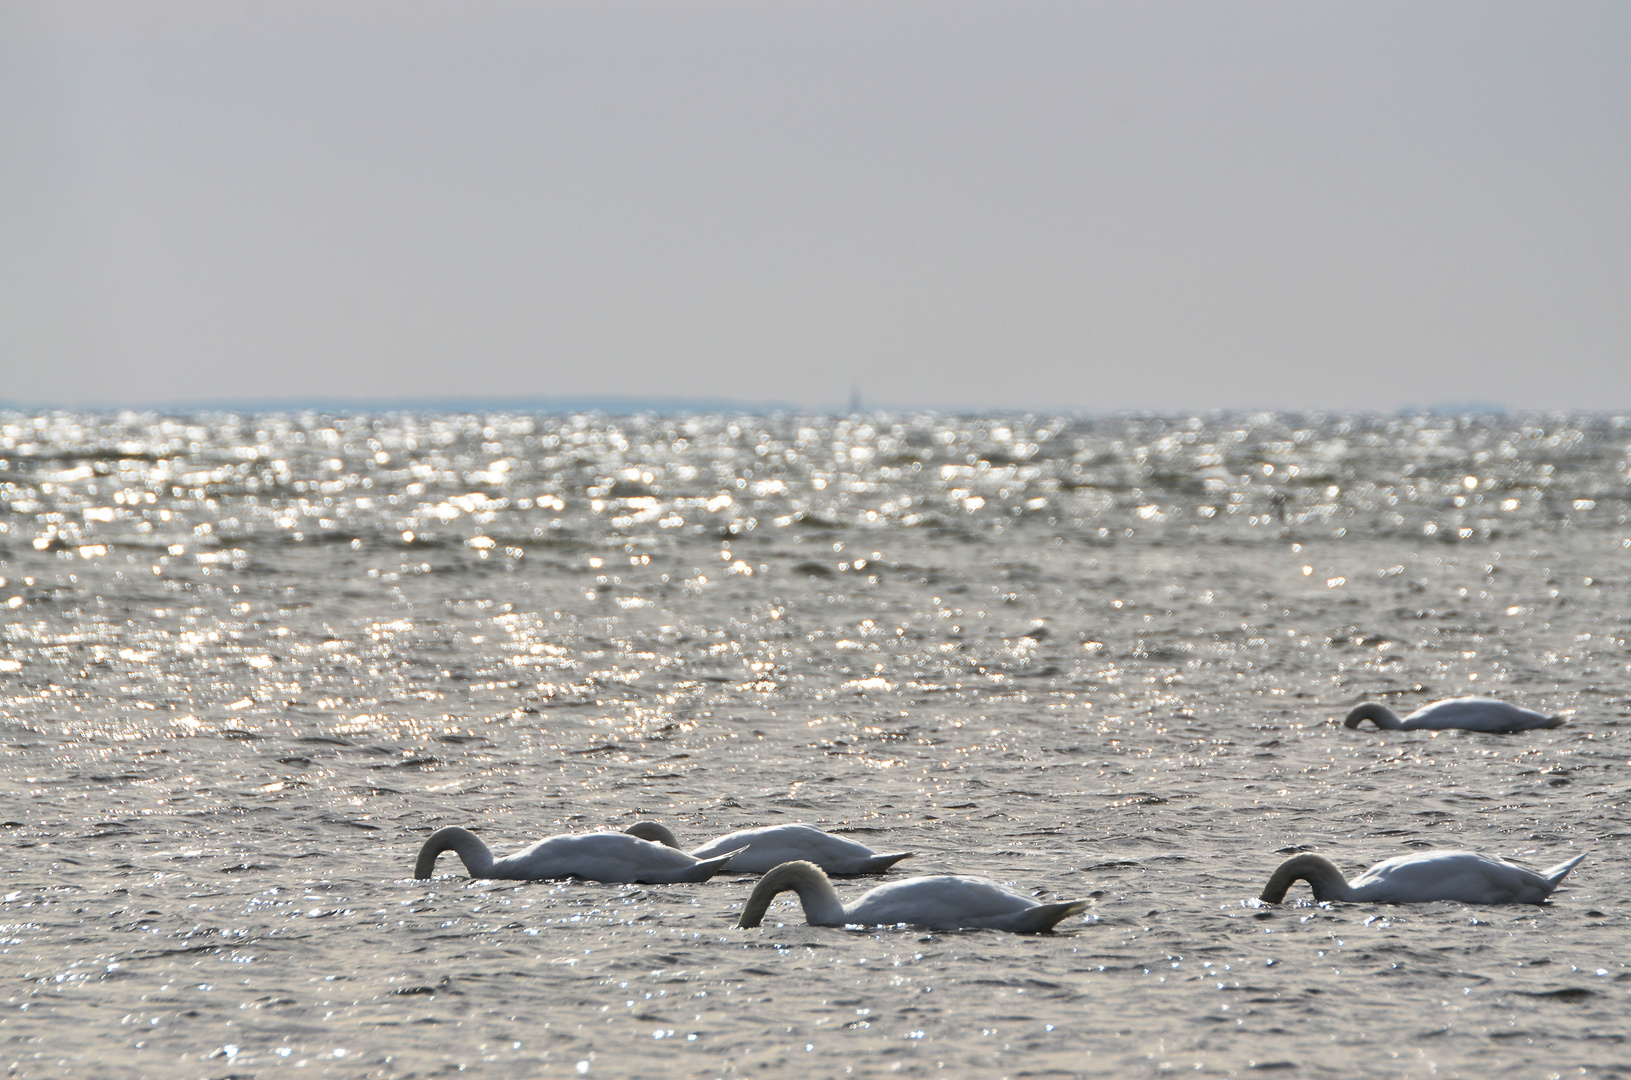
x,y
1476,714
1463,876
607,857
773,845
947,902
940,903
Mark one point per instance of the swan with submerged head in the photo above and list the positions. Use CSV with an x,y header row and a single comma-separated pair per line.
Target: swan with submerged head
x,y
939,903
614,858
1465,877
1468,713
769,847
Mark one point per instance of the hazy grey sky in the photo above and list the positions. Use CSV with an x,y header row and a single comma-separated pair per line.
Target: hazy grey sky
x,y
1072,205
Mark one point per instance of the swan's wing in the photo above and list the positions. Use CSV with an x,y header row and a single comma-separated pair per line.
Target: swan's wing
x,y
944,903
1509,883
1475,714
609,857
839,855
533,862
742,838
1408,879
1450,713
762,838
773,845
1465,877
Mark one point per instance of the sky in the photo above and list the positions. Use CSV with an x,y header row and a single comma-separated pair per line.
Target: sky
x,y
1057,206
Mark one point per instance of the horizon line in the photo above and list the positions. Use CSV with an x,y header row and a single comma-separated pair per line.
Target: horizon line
x,y
629,405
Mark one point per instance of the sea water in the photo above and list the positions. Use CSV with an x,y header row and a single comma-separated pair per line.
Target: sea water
x,y
251,661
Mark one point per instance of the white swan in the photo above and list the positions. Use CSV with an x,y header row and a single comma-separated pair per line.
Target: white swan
x,y
1462,876
773,845
606,856
1468,713
940,903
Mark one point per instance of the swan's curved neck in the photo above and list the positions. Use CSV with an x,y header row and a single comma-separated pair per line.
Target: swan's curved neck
x,y
655,831
1380,715
476,856
1322,875
816,894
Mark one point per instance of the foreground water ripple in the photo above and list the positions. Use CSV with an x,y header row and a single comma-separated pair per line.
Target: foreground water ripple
x,y
250,662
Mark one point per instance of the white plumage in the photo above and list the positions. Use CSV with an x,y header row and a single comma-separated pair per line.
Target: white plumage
x,y
1468,713
763,849
606,856
1462,876
939,903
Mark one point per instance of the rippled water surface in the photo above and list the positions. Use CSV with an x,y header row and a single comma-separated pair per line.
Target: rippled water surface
x,y
250,662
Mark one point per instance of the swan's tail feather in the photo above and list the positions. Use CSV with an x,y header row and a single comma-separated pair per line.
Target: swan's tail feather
x,y
879,863
1557,873
1044,917
707,868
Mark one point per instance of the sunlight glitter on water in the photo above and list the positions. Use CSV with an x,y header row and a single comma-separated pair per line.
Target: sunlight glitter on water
x,y
250,662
